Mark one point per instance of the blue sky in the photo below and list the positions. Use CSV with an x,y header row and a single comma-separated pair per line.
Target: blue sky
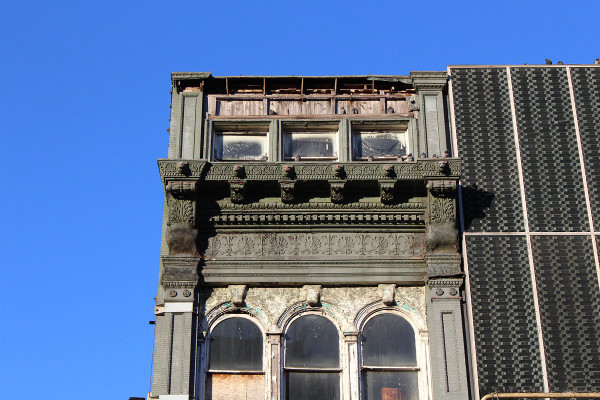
x,y
84,108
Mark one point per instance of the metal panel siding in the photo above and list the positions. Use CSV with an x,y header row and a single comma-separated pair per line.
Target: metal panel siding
x,y
551,169
491,194
570,311
506,337
586,87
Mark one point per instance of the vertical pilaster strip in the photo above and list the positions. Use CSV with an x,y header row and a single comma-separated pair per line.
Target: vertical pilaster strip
x,y
199,126
351,377
583,174
162,354
274,366
527,232
448,363
175,125
453,133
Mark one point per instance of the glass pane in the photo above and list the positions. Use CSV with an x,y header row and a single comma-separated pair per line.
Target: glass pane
x,y
236,344
240,147
310,145
389,340
312,341
387,385
313,386
235,387
379,144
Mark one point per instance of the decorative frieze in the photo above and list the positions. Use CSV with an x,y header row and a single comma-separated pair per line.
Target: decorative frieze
x,y
314,245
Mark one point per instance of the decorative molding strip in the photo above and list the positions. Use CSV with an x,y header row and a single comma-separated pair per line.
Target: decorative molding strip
x,y
226,171
312,218
322,272
227,205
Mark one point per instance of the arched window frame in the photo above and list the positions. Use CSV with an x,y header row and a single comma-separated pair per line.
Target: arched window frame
x,y
343,372
204,355
419,327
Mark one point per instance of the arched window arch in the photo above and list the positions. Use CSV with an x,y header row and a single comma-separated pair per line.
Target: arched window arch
x,y
312,359
390,369
235,360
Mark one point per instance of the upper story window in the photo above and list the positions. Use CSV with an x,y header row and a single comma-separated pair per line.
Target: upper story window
x,y
312,359
307,141
235,360
379,142
389,359
241,143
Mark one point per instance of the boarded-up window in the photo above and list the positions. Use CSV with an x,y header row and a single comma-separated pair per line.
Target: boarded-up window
x,y
312,359
235,369
389,360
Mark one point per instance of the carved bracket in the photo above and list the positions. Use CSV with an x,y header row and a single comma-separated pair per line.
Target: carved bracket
x,y
442,235
337,191
287,191
387,191
237,190
442,201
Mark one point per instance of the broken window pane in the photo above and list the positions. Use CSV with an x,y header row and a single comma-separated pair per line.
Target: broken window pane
x,y
308,145
313,386
312,341
236,146
388,340
236,344
391,385
379,144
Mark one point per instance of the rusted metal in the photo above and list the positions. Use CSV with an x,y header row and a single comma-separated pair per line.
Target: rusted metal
x,y
538,395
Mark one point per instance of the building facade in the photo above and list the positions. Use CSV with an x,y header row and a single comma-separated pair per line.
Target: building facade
x,y
322,239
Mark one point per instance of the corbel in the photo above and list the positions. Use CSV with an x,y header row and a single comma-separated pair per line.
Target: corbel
x,y
181,232
388,294
442,196
313,295
237,190
237,294
442,234
287,191
387,191
337,191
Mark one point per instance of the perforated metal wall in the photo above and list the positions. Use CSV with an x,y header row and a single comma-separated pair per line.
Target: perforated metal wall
x,y
564,313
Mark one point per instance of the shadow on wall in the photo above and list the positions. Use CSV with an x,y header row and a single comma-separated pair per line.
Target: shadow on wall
x,y
475,201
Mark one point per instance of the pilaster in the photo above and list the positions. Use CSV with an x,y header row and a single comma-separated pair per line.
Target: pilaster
x,y
433,140
444,321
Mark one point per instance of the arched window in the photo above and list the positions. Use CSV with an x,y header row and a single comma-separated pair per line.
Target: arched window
x,y
235,363
312,359
389,359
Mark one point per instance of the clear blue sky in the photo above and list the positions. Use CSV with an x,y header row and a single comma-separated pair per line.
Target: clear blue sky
x,y
84,108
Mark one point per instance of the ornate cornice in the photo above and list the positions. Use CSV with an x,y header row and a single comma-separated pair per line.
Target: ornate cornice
x,y
228,171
